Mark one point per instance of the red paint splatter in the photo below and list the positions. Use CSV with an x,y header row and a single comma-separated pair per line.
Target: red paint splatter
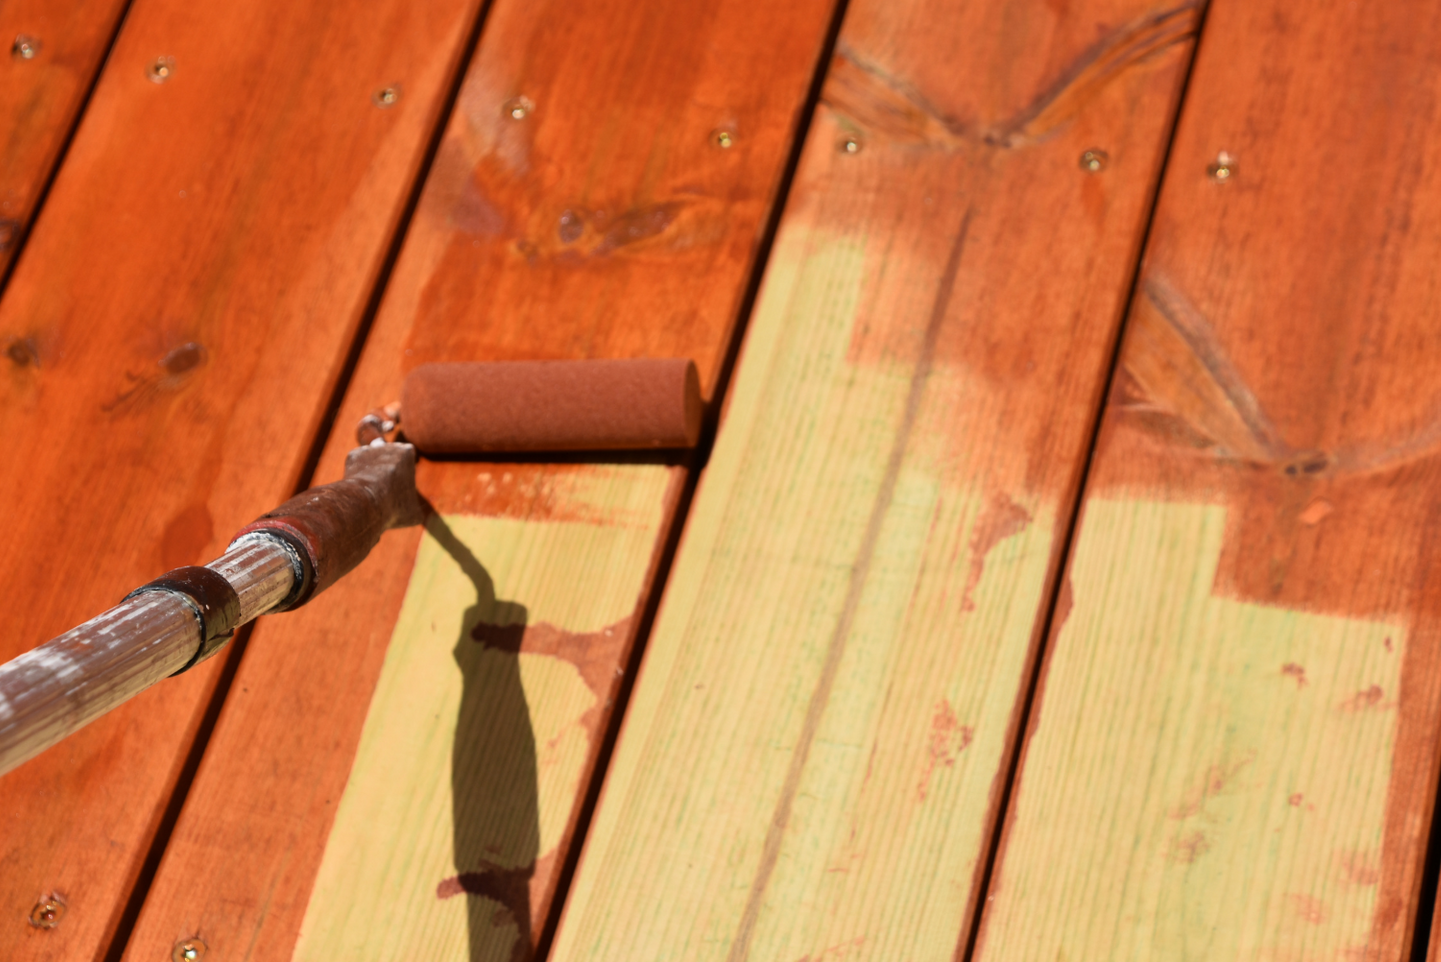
x,y
834,952
1360,868
1214,783
1308,908
1189,848
1364,699
1387,643
1293,670
1000,519
1296,800
947,740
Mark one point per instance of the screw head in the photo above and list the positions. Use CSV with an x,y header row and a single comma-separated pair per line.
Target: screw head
x,y
160,70
1223,169
722,138
188,950
25,47
47,912
1094,160
850,145
517,108
387,96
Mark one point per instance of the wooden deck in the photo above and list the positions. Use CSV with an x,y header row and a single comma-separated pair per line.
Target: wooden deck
x,y
1059,577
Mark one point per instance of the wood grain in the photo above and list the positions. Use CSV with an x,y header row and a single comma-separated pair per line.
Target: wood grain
x,y
1234,751
608,219
45,80
185,302
810,765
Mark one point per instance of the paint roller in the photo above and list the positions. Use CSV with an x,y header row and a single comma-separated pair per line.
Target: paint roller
x,y
289,555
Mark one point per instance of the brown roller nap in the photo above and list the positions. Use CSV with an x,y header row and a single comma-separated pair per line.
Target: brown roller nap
x,y
552,405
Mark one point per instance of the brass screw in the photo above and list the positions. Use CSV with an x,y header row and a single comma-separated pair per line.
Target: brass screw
x,y
386,96
1223,168
25,47
161,69
722,138
188,950
47,912
1095,160
851,145
517,108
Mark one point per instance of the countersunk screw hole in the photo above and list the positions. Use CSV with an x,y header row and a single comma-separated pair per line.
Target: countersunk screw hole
x,y
188,950
1223,169
47,912
1094,160
160,70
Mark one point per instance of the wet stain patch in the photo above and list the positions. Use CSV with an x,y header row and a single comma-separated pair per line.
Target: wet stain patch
x,y
186,536
1000,519
594,654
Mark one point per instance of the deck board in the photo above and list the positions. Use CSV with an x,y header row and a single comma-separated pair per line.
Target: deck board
x,y
1234,748
398,771
811,763
186,301
44,86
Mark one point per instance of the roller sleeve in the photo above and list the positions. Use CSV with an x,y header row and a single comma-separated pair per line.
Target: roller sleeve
x,y
519,406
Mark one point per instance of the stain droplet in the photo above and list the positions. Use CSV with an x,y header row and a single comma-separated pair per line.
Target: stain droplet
x,y
184,358
25,47
1295,800
1094,160
1293,670
517,108
1315,512
571,227
22,351
161,69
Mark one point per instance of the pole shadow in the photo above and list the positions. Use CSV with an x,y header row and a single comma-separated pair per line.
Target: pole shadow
x,y
495,800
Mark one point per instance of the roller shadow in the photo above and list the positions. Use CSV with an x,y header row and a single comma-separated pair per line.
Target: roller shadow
x,y
494,792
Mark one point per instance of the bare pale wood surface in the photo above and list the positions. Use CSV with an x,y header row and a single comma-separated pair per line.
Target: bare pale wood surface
x,y
185,303
49,53
1234,748
811,763
600,192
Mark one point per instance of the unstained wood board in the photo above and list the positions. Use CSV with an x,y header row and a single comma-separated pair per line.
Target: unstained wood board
x,y
1233,753
811,764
